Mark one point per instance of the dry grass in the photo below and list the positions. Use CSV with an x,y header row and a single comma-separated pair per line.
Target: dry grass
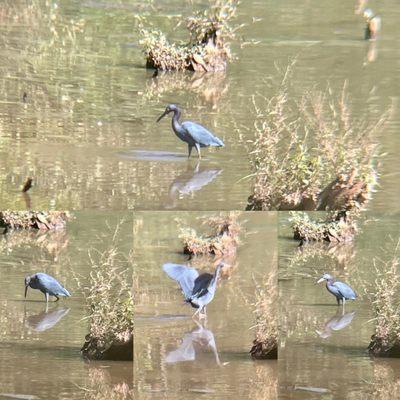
x,y
109,300
208,48
43,220
312,153
222,241
265,344
335,227
386,304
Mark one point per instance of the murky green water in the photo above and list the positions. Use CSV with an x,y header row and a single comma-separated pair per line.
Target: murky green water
x,y
40,346
177,358
323,348
87,131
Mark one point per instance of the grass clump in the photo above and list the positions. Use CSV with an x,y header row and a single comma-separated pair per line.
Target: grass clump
x,y
208,48
222,241
335,227
110,304
265,345
386,305
42,220
311,153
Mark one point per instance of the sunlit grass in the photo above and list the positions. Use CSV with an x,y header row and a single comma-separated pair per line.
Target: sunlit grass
x,y
311,153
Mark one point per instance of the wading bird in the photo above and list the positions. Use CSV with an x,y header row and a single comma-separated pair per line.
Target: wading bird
x,y
195,135
340,290
374,25
46,284
198,289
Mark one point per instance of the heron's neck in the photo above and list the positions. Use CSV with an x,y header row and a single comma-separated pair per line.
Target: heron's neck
x,y
176,126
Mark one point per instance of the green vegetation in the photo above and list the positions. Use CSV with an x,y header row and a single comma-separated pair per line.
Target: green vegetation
x,y
208,47
309,152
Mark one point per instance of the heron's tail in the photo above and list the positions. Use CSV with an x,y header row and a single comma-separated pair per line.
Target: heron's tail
x,y
65,293
217,142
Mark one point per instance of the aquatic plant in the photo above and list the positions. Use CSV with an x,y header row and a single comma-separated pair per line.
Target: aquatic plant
x,y
335,227
222,241
42,220
386,305
311,153
110,305
265,344
208,48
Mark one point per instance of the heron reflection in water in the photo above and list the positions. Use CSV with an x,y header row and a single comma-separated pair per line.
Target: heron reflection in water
x,y
47,319
192,342
192,180
336,323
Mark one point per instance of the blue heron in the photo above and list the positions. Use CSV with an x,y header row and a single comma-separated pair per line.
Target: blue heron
x,y
195,135
198,289
46,284
340,290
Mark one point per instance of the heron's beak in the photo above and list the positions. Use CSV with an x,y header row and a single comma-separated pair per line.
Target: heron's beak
x,y
162,116
26,289
320,280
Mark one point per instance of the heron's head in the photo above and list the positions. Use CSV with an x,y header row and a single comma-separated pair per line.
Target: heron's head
x,y
368,14
27,282
170,108
325,277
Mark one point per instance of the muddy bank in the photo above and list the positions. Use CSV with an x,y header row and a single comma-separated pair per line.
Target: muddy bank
x,y
117,350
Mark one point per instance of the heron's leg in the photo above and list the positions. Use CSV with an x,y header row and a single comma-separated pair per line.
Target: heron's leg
x,y
56,298
338,301
343,302
197,311
47,297
198,150
190,150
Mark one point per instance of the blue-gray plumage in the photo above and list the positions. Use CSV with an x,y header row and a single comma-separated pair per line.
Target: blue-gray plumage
x,y
198,289
195,135
340,290
47,285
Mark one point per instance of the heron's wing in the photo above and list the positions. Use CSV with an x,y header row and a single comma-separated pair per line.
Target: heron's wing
x,y
201,135
51,285
201,284
345,290
185,352
184,275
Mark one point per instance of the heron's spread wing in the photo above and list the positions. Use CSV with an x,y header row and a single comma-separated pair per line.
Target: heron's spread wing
x,y
201,285
184,275
201,135
345,290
